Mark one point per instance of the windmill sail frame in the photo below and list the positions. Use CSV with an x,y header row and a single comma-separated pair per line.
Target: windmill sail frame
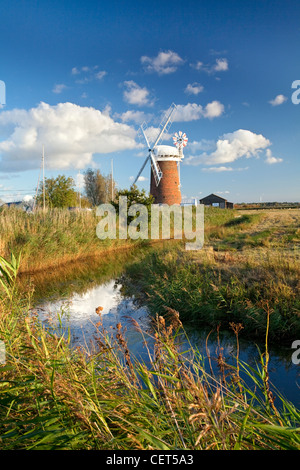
x,y
164,126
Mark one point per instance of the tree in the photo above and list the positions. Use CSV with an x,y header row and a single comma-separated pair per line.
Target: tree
x,y
134,196
98,188
59,192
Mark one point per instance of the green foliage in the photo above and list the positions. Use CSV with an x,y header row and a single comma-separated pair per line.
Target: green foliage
x,y
134,196
59,192
8,273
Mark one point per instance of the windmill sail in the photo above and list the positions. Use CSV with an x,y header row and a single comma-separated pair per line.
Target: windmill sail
x,y
164,126
157,173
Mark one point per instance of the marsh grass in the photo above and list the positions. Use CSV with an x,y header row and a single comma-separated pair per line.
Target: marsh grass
x,y
229,279
53,397
52,238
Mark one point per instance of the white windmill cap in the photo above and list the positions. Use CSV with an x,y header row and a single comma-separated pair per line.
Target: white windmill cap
x,y
165,150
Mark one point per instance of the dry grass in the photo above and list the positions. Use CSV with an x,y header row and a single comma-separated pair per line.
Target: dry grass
x,y
52,238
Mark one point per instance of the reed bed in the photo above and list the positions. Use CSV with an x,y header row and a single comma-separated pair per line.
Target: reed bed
x,y
52,237
246,261
56,398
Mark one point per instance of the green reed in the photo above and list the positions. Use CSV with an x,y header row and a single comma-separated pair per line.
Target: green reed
x,y
53,397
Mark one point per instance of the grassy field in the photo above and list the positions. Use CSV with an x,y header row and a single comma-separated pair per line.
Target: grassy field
x,y
249,266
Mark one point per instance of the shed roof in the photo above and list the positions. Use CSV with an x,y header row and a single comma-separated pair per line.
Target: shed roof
x,y
213,196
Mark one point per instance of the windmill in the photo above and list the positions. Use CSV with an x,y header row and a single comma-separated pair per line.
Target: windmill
x,y
164,161
164,125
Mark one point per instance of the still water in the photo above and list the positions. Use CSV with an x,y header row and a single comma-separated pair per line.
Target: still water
x,y
67,300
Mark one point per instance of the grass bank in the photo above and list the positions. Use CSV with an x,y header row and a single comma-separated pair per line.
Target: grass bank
x,y
55,398
58,236
247,269
52,238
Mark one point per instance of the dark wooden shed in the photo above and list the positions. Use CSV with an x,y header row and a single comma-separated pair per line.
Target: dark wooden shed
x,y
216,201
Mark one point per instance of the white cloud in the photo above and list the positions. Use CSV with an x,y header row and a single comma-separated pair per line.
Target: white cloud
x,y
27,198
198,65
100,75
152,134
279,99
221,65
134,94
193,111
231,147
213,109
217,169
133,116
164,63
194,88
203,145
270,159
88,74
140,178
71,135
59,88
234,145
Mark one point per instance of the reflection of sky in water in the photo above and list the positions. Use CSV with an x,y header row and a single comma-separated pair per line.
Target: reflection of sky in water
x,y
78,313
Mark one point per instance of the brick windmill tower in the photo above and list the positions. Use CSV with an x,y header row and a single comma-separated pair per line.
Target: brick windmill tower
x,y
165,164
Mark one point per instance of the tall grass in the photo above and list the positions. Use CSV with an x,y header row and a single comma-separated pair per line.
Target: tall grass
x,y
213,287
56,236
51,238
52,397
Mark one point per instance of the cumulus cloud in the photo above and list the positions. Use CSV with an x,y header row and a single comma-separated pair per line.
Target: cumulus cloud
x,y
279,99
71,135
213,109
194,88
221,65
194,111
164,63
134,94
232,146
134,116
270,159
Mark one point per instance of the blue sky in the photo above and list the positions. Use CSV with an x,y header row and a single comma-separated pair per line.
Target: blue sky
x,y
81,77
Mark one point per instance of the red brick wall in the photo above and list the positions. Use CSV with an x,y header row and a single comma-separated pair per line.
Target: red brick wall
x,y
168,191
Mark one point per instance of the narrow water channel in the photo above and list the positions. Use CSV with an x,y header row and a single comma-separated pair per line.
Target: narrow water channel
x,y
66,299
